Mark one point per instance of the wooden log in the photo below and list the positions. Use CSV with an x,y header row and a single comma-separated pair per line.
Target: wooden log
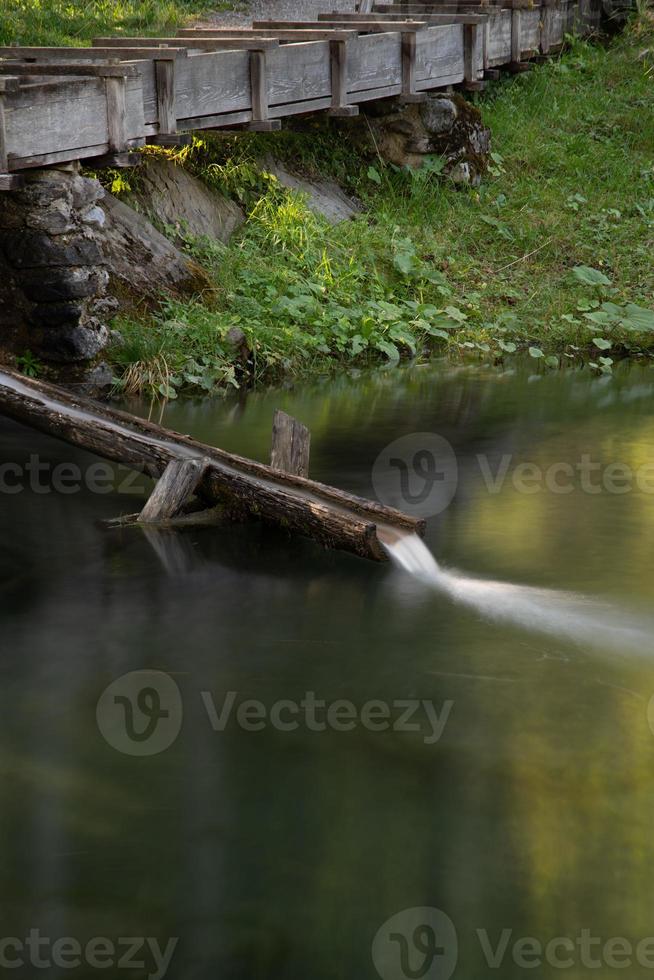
x,y
332,517
174,488
291,445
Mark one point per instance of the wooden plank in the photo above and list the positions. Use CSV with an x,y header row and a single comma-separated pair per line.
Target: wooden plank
x,y
291,445
530,29
69,124
214,43
364,26
301,72
439,57
375,61
499,38
318,34
61,68
215,83
173,490
11,182
139,53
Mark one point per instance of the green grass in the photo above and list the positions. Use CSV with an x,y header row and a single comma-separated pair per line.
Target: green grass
x,y
428,266
75,22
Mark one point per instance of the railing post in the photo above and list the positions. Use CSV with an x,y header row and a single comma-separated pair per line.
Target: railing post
x,y
8,182
259,89
339,77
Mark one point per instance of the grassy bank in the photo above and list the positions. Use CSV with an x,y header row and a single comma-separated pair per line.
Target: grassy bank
x,y
75,22
553,253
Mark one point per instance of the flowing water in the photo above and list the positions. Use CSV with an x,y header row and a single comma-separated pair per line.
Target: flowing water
x,y
459,739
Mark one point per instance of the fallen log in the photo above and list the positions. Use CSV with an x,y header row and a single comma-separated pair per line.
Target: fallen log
x,y
332,517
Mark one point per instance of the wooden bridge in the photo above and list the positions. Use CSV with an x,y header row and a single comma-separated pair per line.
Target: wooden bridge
x,y
58,105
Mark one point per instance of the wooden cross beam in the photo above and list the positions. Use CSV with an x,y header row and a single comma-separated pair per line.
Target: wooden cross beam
x,y
206,43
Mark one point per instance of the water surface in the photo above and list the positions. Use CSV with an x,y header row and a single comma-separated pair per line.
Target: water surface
x,y
279,854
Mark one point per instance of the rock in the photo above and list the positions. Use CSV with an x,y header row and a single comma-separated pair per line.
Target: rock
x,y
143,265
324,197
170,195
444,125
69,342
53,286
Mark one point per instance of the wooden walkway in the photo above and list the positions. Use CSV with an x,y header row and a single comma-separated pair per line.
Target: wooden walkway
x,y
58,105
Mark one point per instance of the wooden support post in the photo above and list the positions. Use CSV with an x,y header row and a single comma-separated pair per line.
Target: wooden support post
x,y
291,445
176,485
116,114
516,38
259,87
365,6
8,182
339,77
472,56
546,27
164,73
409,93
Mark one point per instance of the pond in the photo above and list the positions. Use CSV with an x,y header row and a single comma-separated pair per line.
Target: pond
x,y
251,754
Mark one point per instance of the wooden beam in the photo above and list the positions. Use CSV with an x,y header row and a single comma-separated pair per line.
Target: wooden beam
x,y
409,93
217,43
472,60
516,40
11,182
325,33
332,517
139,53
173,490
367,26
291,445
23,68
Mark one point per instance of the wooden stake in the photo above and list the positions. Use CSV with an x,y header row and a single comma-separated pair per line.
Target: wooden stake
x,y
291,445
116,114
174,488
164,72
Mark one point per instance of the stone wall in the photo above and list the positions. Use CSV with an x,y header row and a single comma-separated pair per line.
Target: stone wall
x,y
53,299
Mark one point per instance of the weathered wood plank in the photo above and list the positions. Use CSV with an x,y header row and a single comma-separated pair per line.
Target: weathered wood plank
x,y
439,56
69,123
297,34
498,38
173,490
164,72
215,42
291,445
139,53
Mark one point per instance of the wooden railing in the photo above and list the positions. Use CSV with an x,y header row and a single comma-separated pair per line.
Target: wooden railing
x,y
63,104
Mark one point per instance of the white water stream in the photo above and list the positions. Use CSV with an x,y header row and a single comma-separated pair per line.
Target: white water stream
x,y
564,614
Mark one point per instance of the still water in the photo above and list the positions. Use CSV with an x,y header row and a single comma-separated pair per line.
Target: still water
x,y
516,800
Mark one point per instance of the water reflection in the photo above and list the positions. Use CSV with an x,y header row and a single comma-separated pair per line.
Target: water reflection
x,y
279,854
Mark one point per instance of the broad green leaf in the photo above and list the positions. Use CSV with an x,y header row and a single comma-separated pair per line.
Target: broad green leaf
x,y
552,361
535,352
373,174
601,343
507,346
638,317
589,276
391,351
